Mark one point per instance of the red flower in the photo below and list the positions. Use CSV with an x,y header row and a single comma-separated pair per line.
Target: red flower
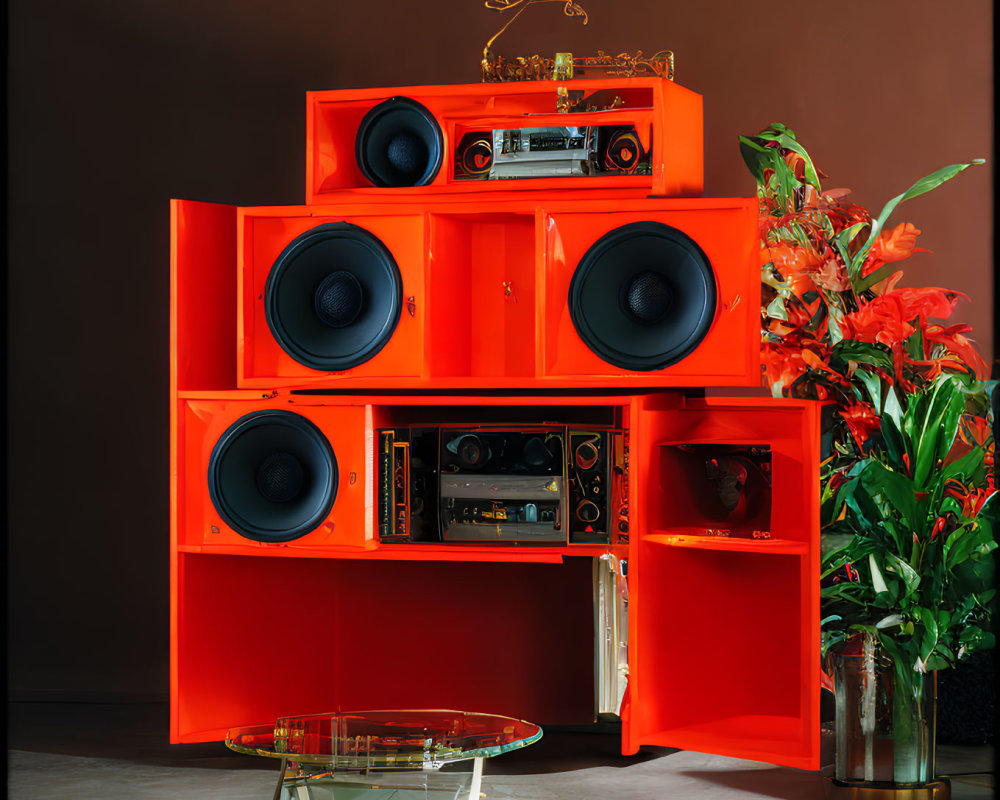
x,y
781,365
961,348
883,320
861,420
929,301
975,430
974,502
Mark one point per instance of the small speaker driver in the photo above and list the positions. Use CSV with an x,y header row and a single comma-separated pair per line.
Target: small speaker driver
x,y
622,151
474,156
272,476
333,297
399,143
643,296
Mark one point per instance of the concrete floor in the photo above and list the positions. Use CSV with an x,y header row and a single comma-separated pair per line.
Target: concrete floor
x,y
106,752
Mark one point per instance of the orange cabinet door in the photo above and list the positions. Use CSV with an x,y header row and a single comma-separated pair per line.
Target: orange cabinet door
x,y
724,580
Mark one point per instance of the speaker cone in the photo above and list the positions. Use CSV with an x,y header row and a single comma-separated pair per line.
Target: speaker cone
x,y
643,296
272,476
399,143
332,298
622,151
475,154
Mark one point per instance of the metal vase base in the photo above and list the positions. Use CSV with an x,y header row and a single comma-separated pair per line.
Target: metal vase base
x,y
939,789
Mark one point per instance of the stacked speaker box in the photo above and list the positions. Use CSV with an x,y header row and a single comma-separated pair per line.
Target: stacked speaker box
x,y
415,419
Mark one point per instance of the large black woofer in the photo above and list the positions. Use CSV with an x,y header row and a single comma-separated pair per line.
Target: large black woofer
x,y
399,143
643,296
272,476
332,298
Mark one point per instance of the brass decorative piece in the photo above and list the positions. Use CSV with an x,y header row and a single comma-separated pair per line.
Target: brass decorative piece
x,y
936,790
565,66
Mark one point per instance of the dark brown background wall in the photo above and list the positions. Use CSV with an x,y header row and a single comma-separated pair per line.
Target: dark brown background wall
x,y
117,105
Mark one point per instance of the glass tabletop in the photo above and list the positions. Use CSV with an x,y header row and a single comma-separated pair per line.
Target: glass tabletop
x,y
384,740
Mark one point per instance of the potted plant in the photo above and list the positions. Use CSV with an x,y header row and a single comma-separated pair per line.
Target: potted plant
x,y
908,494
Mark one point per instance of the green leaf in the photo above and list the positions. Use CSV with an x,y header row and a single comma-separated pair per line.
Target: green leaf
x,y
943,621
872,384
934,424
935,662
922,186
878,582
776,309
970,468
843,240
915,344
785,137
892,441
909,575
864,353
896,490
892,408
929,640
864,284
757,157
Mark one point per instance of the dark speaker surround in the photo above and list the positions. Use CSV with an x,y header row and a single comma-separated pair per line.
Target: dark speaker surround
x,y
273,476
399,143
333,297
643,296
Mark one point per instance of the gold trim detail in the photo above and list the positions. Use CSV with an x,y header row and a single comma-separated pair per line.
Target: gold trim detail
x,y
565,66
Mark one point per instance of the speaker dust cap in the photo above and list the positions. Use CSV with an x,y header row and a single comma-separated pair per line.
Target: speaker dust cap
x,y
333,297
272,476
399,143
643,296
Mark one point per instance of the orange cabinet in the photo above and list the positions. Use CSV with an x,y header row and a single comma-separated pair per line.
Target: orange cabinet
x,y
544,327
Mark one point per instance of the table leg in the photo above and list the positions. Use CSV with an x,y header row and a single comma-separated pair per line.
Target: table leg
x,y
477,778
281,780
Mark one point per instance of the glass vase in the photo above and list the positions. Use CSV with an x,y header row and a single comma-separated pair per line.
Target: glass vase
x,y
884,717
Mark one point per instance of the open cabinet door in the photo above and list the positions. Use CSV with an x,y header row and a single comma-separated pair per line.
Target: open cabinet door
x,y
202,296
202,357
724,579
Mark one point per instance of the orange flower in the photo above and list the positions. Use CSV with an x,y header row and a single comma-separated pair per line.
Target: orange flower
x,y
792,259
897,244
861,420
887,285
797,164
833,276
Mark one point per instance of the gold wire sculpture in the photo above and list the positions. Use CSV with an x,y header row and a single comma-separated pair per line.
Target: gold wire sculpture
x,y
564,66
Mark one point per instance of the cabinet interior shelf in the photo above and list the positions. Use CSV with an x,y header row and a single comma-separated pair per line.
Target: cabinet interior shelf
x,y
730,543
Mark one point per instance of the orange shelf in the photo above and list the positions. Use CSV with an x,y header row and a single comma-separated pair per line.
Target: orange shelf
x,y
729,543
415,551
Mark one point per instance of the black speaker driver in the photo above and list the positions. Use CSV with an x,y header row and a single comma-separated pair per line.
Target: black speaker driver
x,y
643,296
623,151
272,476
333,297
475,154
399,143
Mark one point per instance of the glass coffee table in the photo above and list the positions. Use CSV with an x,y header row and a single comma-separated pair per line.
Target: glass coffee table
x,y
382,755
